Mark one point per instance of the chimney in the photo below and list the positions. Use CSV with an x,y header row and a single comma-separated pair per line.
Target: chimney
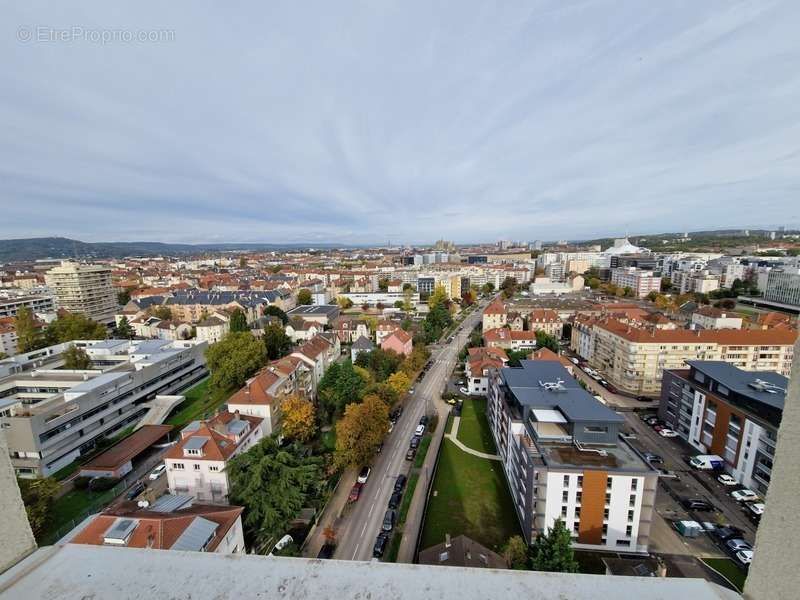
x,y
447,542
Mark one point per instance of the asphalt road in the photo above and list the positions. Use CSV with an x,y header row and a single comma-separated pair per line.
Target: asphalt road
x,y
362,524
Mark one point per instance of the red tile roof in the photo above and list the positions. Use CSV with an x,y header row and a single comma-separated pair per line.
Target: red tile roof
x,y
220,446
724,337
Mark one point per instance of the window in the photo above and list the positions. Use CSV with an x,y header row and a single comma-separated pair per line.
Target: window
x,y
580,480
564,511
178,466
566,480
605,513
605,529
608,498
213,468
595,429
578,497
196,466
633,500
630,515
565,496
623,542
576,527
634,483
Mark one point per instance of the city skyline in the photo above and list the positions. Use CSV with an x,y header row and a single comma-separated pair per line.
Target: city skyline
x,y
346,128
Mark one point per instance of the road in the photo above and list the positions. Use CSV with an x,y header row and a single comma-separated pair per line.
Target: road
x,y
362,523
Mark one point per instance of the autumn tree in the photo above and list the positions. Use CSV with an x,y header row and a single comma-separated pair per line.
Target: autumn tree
x,y
298,421
29,333
399,382
509,287
360,431
76,359
304,297
234,359
516,553
162,311
344,302
438,297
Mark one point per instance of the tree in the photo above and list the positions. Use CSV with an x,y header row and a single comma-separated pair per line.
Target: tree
x,y
276,342
468,298
666,284
242,262
552,551
514,356
162,311
76,359
384,391
652,296
38,495
487,288
408,286
627,291
234,359
304,297
399,382
273,483
438,297
274,311
436,321
593,283
3,356
408,298
516,553
238,321
298,421
341,385
123,297
123,330
381,363
74,326
29,333
544,340
398,304
360,431
383,284
344,302
509,287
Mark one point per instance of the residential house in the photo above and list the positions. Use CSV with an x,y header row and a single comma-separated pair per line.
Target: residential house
x,y
708,317
8,336
349,330
547,320
479,362
515,321
212,329
400,341
509,340
384,329
300,330
319,353
362,344
495,315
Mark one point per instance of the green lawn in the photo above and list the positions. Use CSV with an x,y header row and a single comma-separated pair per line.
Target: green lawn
x,y
200,403
422,451
72,506
471,498
729,569
449,424
409,493
473,431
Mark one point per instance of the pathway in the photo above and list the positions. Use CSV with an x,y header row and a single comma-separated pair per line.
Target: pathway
x,y
452,436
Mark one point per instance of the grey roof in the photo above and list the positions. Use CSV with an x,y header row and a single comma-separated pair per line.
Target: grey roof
x,y
196,535
363,343
314,309
196,442
576,404
193,426
746,383
170,503
237,426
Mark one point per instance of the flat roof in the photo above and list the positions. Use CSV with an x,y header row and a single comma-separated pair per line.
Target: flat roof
x,y
313,309
128,449
750,384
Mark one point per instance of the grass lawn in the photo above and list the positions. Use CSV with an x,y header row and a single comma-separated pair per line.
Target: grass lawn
x,y
200,403
74,505
729,569
409,493
449,425
422,451
471,499
473,431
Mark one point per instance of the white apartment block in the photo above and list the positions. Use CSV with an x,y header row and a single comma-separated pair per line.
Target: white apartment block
x,y
641,282
783,285
9,307
86,289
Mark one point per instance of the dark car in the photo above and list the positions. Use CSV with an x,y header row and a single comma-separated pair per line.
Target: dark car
x,y
653,459
326,551
394,500
424,420
137,489
727,533
388,521
414,442
355,492
643,398
697,504
400,483
380,545
412,452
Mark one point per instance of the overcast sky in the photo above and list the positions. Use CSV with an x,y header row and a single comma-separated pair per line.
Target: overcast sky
x,y
405,121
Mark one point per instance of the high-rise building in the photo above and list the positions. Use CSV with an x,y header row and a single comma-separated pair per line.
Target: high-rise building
x,y
83,288
783,285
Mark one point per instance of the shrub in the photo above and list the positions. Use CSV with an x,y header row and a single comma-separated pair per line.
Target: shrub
x,y
101,484
81,482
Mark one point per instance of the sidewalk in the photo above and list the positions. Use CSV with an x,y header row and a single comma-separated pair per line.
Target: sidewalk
x,y
453,437
331,515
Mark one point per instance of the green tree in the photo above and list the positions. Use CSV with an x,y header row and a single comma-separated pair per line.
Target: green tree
x,y
516,553
360,431
304,297
162,311
487,288
273,483
123,330
274,311
234,359
123,297
242,262
38,495
652,296
29,333
238,321
514,356
341,385
666,284
383,284
74,326
509,287
276,342
3,356
76,359
593,283
408,298
381,363
436,321
544,340
344,302
552,551
627,291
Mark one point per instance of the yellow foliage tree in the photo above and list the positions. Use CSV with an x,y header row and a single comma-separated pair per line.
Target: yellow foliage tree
x,y
298,419
399,382
360,431
438,296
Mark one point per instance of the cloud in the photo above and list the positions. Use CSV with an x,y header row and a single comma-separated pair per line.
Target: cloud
x,y
362,122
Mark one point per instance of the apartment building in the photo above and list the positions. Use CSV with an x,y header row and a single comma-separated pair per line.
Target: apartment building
x,y
783,286
547,320
640,281
51,416
509,340
318,354
9,307
708,317
8,336
495,315
82,288
563,459
196,464
720,409
480,361
634,358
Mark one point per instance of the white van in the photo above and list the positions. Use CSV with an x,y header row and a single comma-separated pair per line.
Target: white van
x,y
707,462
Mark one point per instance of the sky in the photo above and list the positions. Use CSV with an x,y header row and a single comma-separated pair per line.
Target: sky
x,y
401,122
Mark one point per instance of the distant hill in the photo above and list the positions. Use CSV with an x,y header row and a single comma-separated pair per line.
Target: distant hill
x,y
58,247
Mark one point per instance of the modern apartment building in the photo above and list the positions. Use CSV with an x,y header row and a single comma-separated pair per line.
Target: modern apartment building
x,y
640,281
9,307
634,358
563,459
51,415
722,410
83,288
783,285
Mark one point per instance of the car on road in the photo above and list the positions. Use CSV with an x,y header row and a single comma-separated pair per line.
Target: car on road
x,y
738,544
391,426
414,444
745,556
157,472
575,361
652,421
602,382
394,499
451,401
380,545
395,414
755,510
355,492
727,533
667,433
419,430
412,452
137,489
411,390
388,520
697,504
744,495
726,479
610,387
653,459
461,382
424,419
400,483
643,398
647,416
363,475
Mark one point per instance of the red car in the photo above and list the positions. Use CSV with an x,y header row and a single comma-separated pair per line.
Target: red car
x,y
355,492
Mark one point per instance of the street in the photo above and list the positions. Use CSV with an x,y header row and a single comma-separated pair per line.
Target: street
x,y
361,521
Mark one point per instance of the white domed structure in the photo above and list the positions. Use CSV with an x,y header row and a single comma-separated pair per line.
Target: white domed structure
x,y
623,246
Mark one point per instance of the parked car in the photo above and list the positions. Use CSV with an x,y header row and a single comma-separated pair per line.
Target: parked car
x,y
667,433
744,495
388,520
737,544
355,492
380,545
611,388
755,510
419,430
643,398
464,391
647,417
461,382
411,390
394,499
706,462
726,479
652,421
326,551
400,483
391,426
602,382
728,533
745,556
697,504
364,474
137,489
412,452
424,419
414,444
158,472
451,401
653,459
575,361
